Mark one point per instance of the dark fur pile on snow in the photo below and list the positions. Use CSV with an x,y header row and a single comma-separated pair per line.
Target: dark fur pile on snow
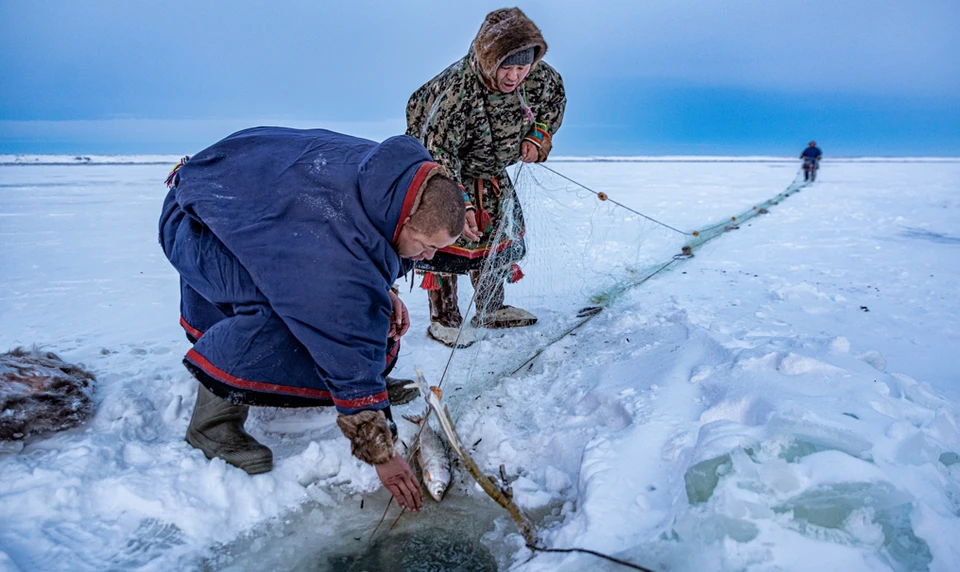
x,y
39,392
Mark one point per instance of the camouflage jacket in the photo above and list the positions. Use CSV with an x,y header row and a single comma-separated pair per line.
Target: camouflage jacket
x,y
475,131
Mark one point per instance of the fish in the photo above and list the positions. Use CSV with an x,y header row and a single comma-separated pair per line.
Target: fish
x,y
433,457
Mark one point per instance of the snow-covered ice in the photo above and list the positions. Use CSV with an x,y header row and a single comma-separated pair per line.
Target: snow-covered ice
x,y
787,399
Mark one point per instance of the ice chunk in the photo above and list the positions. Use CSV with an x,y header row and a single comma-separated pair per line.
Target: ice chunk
x,y
779,476
820,438
845,508
701,479
917,450
713,527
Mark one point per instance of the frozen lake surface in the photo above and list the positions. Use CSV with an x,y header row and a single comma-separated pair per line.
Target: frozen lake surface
x,y
787,399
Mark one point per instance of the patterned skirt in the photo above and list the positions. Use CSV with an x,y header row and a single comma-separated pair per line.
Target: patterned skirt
x,y
500,219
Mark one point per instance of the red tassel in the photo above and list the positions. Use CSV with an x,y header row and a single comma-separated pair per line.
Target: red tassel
x,y
172,177
515,273
486,223
431,281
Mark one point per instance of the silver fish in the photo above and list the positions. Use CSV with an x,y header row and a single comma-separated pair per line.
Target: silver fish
x,y
433,456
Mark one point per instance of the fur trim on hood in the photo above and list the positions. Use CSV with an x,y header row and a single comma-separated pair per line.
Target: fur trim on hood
x,y
504,32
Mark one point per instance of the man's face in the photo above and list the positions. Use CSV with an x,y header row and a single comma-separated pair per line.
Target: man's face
x,y
416,245
509,77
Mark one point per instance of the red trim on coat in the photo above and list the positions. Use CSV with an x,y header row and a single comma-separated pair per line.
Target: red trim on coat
x,y
411,197
190,329
361,401
217,373
479,252
392,354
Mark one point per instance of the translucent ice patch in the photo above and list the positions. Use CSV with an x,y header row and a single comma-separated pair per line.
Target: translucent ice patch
x,y
710,528
917,449
779,476
797,449
861,514
702,479
811,437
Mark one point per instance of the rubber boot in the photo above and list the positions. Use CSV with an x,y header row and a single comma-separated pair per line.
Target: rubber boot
x,y
216,428
399,391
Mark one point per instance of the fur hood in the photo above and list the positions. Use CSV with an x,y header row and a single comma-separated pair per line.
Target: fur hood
x,y
502,33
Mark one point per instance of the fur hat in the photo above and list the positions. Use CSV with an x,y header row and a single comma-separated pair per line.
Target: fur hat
x,y
506,32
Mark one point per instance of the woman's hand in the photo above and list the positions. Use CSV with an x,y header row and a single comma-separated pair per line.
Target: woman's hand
x,y
529,152
470,228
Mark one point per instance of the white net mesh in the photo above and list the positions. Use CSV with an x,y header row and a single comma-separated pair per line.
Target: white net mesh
x,y
583,250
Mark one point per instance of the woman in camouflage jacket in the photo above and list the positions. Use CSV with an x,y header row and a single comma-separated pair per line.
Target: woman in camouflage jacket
x,y
498,105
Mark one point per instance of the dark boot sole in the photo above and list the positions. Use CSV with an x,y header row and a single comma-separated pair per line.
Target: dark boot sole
x,y
402,395
503,325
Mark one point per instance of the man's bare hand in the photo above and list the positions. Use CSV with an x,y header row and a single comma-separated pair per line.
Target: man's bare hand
x,y
399,479
399,319
529,152
470,229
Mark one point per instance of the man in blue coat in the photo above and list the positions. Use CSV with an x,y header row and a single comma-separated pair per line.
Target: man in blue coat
x,y
287,243
811,161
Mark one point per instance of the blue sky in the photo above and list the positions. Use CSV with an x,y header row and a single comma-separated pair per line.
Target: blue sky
x,y
642,77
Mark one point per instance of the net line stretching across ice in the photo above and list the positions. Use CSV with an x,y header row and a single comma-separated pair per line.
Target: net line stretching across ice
x,y
600,286
619,249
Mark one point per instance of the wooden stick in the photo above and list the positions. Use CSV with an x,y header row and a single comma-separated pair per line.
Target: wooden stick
x,y
499,495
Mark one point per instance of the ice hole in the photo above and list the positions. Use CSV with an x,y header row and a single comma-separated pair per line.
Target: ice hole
x,y
444,536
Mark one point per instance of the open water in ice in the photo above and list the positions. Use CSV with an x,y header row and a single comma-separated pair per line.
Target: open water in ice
x,y
442,537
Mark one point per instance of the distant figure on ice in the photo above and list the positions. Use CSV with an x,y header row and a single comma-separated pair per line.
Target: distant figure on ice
x,y
811,161
498,105
287,243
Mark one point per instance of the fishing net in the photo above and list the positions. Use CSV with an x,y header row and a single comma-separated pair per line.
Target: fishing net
x,y
583,249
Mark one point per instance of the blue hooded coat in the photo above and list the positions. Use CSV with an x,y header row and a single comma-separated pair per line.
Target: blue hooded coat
x,y
811,153
284,243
